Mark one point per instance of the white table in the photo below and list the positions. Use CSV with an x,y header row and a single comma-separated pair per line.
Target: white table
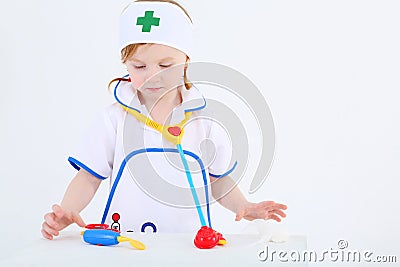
x,y
161,250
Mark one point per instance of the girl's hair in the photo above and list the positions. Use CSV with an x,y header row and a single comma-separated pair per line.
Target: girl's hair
x,y
129,50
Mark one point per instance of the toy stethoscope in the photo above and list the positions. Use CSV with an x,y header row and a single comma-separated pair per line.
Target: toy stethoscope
x,y
206,237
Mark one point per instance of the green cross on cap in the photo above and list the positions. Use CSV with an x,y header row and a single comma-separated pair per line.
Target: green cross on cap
x,y
147,21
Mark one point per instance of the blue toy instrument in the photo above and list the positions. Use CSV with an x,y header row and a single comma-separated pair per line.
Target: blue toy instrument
x,y
108,237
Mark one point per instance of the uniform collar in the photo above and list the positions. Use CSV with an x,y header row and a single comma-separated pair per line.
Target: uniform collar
x,y
192,100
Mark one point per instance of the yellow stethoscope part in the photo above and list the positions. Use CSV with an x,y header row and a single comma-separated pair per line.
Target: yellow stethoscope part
x,y
134,243
173,134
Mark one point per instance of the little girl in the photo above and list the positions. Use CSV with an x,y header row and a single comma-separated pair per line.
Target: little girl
x,y
147,143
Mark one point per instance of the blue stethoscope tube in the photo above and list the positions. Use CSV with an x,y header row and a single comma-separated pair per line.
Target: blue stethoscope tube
x,y
190,180
117,98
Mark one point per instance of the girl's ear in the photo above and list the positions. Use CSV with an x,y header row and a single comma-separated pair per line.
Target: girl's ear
x,y
187,62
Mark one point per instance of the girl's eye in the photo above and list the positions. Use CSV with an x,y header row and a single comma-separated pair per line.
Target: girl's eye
x,y
139,66
165,65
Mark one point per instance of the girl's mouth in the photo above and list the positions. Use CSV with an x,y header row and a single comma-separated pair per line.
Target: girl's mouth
x,y
153,89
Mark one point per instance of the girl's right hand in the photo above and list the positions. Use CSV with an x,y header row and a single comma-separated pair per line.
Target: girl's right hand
x,y
59,219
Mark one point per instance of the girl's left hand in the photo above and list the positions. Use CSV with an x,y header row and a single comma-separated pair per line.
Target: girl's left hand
x,y
264,210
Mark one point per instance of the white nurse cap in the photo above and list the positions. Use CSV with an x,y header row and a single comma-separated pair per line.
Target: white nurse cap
x,y
156,22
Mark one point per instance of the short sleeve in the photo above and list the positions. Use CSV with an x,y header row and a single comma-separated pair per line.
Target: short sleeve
x,y
95,152
223,163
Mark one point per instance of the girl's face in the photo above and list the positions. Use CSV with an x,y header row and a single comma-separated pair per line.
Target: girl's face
x,y
155,69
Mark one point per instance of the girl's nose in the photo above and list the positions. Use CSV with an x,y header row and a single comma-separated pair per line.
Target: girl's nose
x,y
153,74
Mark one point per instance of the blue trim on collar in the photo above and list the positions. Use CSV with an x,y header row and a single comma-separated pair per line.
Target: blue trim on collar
x,y
224,174
198,108
78,165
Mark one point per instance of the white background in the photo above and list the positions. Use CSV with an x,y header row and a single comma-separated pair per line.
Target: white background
x,y
328,69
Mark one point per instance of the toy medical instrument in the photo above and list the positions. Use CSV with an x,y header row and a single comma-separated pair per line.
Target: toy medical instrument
x,y
98,226
108,237
206,237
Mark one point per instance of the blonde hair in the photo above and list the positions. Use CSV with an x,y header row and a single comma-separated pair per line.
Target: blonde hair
x,y
130,50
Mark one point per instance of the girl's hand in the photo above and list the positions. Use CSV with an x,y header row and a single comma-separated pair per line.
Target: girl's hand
x,y
264,210
59,219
